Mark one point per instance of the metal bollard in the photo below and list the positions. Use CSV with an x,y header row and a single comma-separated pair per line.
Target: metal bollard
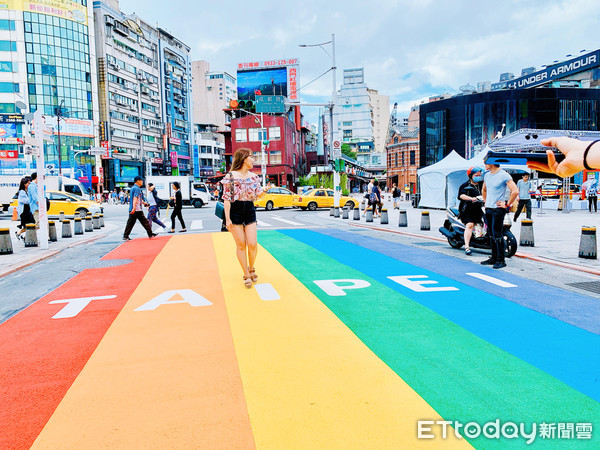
x,y
336,212
30,235
66,228
527,233
331,213
345,212
52,231
88,224
78,226
5,242
369,215
96,222
587,244
384,217
425,222
403,220
356,213
61,216
101,220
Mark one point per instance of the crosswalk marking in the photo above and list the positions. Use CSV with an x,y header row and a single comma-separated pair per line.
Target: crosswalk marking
x,y
197,225
289,222
492,280
263,224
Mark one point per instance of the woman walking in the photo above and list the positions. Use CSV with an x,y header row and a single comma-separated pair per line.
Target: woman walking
x,y
153,210
240,189
23,208
177,206
375,198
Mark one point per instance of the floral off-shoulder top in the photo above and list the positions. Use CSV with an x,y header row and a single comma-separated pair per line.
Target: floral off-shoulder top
x,y
243,190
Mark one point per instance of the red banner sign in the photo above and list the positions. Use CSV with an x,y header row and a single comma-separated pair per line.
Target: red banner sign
x,y
9,154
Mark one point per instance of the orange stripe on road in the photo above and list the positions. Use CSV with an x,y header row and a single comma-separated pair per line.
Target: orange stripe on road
x,y
161,378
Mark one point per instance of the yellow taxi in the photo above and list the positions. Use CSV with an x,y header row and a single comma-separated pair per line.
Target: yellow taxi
x,y
70,204
275,197
321,198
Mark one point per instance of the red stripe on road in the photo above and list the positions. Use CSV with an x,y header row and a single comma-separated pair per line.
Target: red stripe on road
x,y
40,357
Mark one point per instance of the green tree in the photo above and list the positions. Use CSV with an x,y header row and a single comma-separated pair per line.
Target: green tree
x,y
347,150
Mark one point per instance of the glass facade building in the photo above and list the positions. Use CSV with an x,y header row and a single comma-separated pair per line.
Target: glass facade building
x,y
466,123
59,75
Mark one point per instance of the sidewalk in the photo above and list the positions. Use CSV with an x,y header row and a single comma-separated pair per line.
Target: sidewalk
x,y
25,256
556,234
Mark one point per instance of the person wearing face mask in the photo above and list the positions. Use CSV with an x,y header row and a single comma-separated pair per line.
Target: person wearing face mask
x,y
470,206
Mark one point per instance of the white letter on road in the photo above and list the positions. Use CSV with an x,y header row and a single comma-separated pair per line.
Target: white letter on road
x,y
76,305
417,286
331,287
187,296
422,429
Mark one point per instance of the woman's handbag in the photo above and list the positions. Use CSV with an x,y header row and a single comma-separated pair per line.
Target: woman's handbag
x,y
220,210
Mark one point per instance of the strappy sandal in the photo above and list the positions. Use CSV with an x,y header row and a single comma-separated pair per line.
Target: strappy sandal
x,y
253,275
247,281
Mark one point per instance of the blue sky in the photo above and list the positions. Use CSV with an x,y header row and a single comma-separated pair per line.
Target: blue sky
x,y
410,49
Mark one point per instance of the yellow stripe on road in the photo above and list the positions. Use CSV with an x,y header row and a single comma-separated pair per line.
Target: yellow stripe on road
x,y
164,376
309,381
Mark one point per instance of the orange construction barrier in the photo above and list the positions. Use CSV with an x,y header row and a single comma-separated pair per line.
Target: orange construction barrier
x,y
15,215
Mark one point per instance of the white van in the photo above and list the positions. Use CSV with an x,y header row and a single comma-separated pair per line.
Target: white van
x,y
193,193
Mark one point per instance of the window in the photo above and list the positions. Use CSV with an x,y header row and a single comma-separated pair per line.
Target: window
x,y
275,157
257,157
9,87
320,193
274,133
7,24
8,66
148,138
240,135
8,46
7,108
347,134
396,164
412,158
253,134
347,124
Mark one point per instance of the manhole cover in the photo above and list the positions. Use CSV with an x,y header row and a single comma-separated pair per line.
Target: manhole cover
x,y
591,286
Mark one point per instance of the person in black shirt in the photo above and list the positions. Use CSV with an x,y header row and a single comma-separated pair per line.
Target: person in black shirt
x,y
177,206
470,206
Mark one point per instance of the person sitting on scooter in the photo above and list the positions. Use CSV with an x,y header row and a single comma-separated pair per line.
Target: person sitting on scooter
x,y
470,206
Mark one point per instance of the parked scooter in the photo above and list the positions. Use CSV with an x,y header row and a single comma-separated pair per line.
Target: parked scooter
x,y
454,230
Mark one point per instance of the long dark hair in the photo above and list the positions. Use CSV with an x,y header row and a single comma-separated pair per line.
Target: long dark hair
x,y
240,156
24,181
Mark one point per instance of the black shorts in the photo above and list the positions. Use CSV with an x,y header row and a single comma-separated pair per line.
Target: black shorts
x,y
242,213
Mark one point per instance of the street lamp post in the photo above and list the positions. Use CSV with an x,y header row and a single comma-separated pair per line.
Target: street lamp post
x,y
263,165
336,175
58,117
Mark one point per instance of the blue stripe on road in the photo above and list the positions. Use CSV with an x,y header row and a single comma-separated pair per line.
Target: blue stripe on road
x,y
566,352
576,309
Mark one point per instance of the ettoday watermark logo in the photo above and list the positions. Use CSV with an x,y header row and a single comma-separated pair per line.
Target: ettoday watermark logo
x,y
431,429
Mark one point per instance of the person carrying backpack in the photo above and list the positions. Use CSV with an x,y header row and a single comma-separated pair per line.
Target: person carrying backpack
x,y
375,198
396,196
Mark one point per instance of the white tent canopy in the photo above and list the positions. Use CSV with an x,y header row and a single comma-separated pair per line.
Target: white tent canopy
x,y
435,179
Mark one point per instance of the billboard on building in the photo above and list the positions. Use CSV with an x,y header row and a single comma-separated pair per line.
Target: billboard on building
x,y
65,9
273,77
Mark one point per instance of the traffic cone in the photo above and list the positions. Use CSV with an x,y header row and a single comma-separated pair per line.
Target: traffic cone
x,y
15,215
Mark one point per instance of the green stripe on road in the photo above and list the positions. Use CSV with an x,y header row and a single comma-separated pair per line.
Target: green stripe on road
x,y
460,375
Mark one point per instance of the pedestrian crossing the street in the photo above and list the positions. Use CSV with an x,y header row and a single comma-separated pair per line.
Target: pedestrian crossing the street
x,y
197,225
271,222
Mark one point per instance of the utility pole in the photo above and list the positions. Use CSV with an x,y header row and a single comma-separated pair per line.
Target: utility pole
x,y
39,125
336,175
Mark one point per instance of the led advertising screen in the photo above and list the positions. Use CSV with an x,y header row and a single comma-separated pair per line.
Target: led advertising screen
x,y
261,82
273,77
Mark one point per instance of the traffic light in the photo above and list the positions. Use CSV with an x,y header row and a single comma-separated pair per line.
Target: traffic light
x,y
340,165
103,134
248,105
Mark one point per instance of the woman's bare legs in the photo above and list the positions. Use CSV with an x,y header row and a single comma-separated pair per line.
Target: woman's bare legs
x,y
251,243
239,236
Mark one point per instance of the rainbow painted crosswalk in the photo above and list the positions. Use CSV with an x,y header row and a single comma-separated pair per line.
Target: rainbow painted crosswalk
x,y
347,342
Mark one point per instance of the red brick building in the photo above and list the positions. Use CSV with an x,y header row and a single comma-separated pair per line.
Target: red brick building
x,y
403,160
286,157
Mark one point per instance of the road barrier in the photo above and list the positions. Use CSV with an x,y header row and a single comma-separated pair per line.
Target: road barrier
x,y
31,239
384,217
61,216
88,224
101,220
96,222
363,205
527,233
336,212
78,226
52,231
369,215
66,228
403,220
587,244
331,213
425,222
6,247
345,212
356,213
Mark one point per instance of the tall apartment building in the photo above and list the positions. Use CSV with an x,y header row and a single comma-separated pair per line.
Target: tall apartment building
x,y
48,62
128,84
380,112
212,92
176,89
